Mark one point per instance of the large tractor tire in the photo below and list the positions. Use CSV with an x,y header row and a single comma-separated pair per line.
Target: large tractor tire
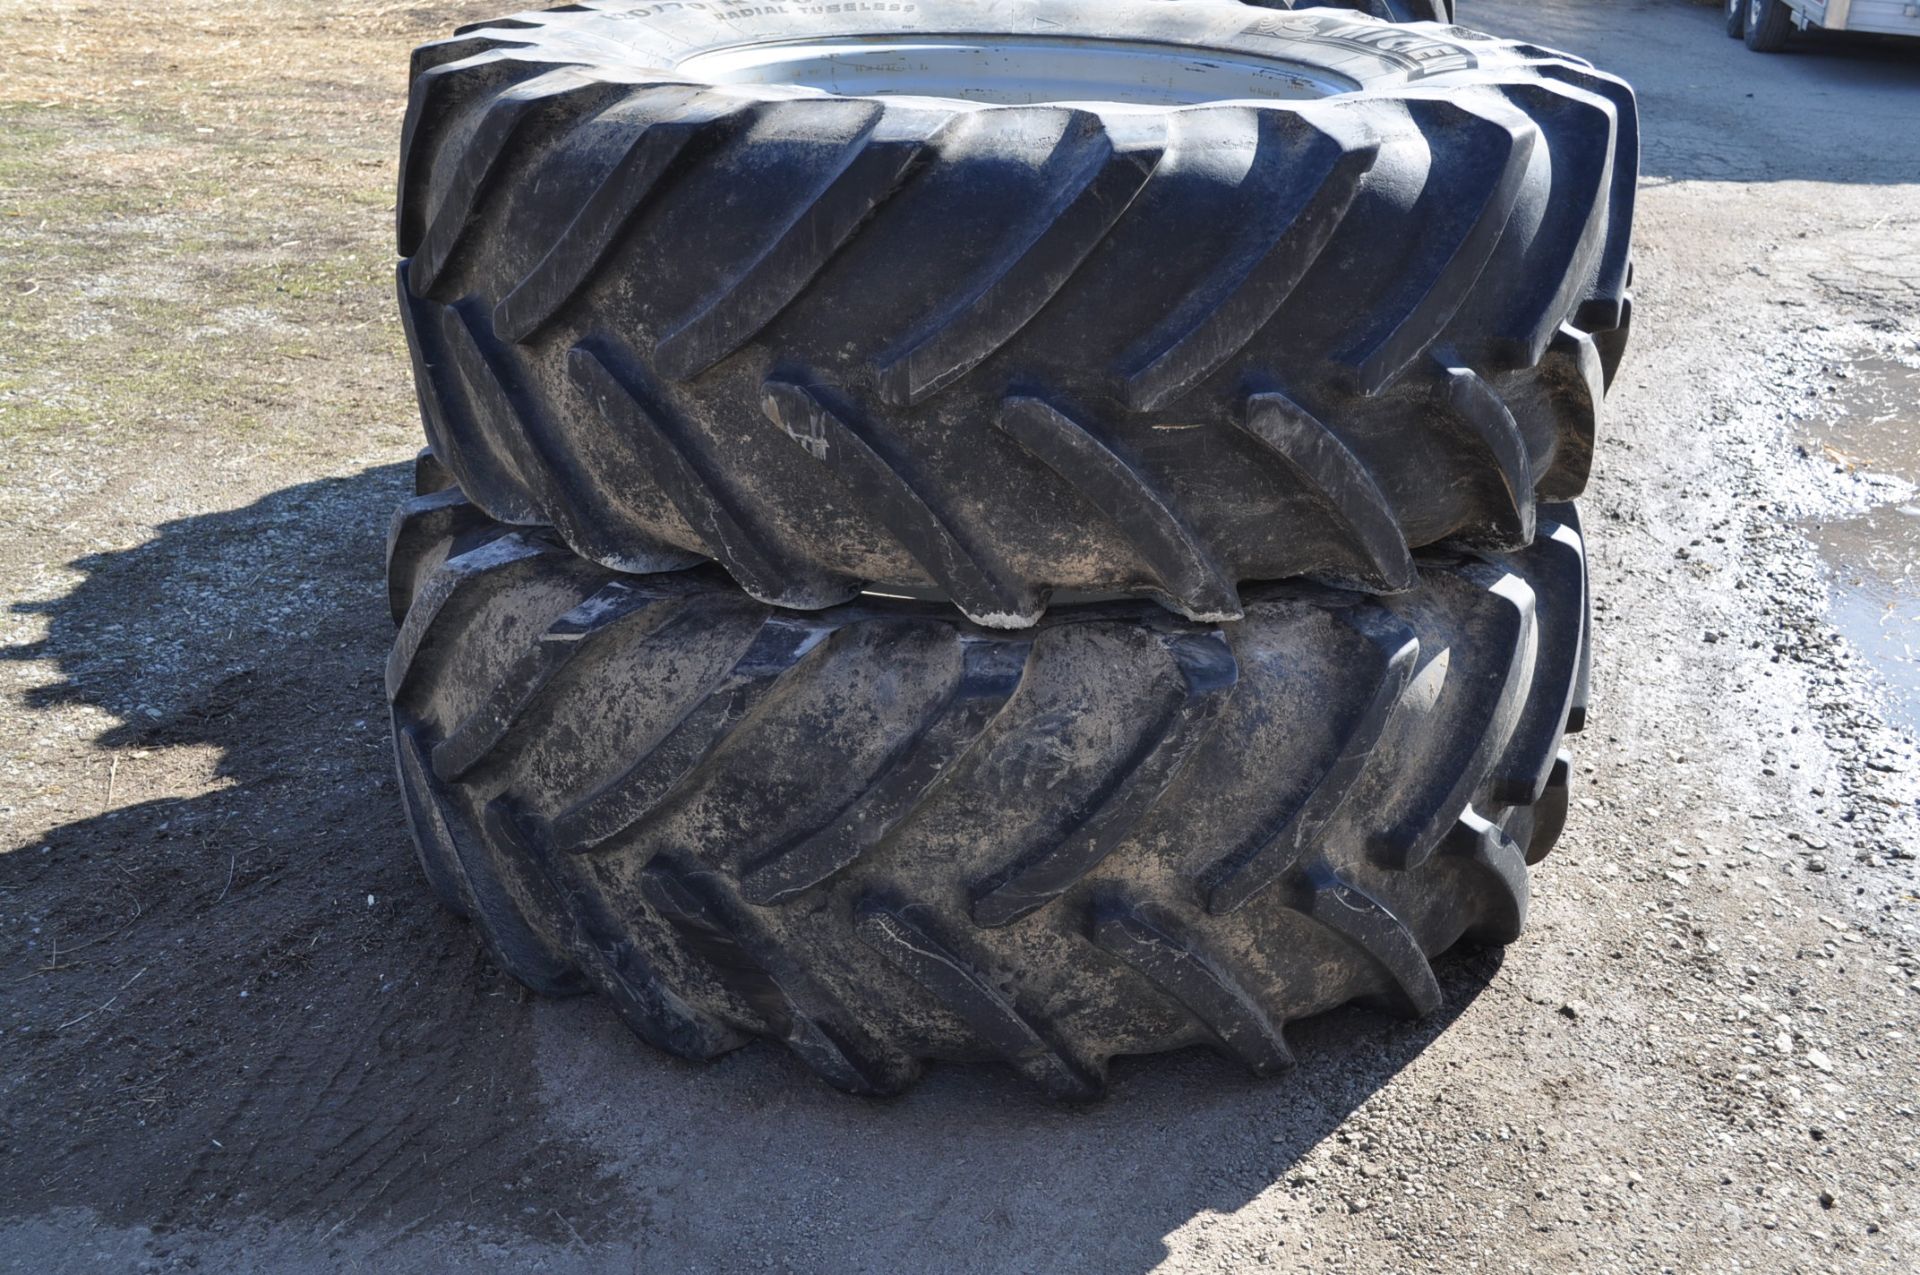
x,y
691,282
882,835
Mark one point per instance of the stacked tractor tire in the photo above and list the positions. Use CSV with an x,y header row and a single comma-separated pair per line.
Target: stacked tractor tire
x,y
969,530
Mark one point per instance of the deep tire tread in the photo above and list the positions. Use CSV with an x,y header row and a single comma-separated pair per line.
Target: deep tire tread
x,y
1168,549
1237,877
821,926
1484,329
982,586
1155,944
991,675
1407,985
1312,178
793,1006
1207,672
1092,192
969,994
1506,138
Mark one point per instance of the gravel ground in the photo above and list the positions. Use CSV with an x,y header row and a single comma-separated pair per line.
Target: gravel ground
x,y
236,1035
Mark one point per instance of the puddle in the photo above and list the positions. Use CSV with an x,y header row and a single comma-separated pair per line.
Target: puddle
x,y
1876,595
1875,557
1876,423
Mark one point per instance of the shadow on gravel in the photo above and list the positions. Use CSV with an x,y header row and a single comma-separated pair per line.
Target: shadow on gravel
x,y
239,1003
241,1006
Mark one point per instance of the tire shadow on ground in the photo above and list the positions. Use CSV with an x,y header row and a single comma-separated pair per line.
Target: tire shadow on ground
x,y
229,1001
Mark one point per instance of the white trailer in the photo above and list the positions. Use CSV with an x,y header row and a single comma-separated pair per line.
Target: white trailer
x,y
1765,24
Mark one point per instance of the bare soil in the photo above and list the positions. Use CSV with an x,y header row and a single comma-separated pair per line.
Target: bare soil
x,y
235,1032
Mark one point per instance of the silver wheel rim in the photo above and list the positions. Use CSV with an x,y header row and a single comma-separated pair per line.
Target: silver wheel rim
x,y
1012,69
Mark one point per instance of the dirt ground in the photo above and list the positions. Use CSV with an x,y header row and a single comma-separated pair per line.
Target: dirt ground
x,y
236,1034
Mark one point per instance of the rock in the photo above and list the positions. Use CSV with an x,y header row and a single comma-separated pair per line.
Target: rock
x,y
1820,1060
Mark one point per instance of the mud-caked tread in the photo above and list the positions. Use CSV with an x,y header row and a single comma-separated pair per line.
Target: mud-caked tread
x,y
943,347
883,835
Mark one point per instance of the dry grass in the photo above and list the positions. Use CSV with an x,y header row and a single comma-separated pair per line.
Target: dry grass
x,y
194,213
195,302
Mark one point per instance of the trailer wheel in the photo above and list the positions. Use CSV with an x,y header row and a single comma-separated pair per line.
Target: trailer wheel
x,y
1768,23
1736,18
